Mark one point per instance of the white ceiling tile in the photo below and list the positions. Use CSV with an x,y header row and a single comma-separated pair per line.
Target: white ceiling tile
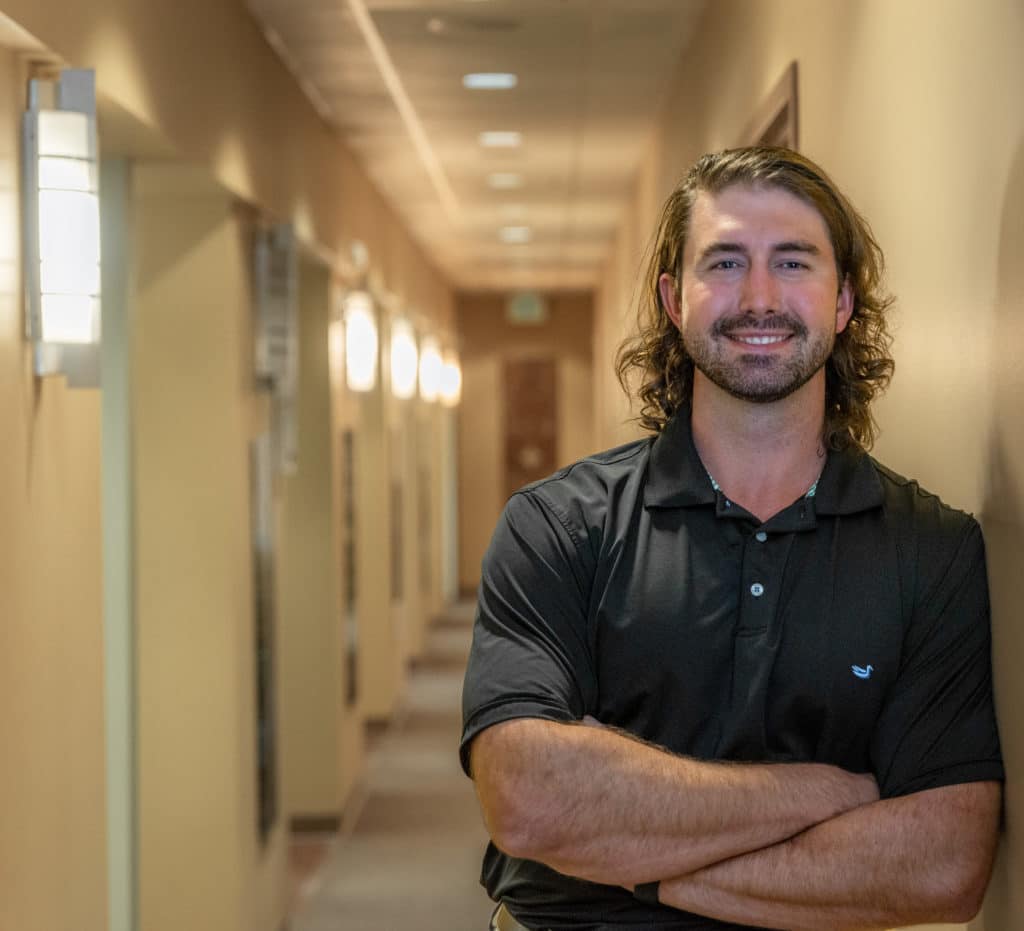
x,y
592,74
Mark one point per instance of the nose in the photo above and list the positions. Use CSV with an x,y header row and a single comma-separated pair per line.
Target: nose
x,y
760,293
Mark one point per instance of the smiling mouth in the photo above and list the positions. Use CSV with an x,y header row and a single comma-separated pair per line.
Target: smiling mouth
x,y
761,340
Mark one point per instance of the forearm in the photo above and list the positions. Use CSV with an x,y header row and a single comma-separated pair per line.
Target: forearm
x,y
596,804
921,858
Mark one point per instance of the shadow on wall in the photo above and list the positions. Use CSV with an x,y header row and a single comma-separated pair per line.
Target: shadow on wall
x,y
1003,521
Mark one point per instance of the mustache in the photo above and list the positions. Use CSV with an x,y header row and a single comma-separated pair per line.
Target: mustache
x,y
748,321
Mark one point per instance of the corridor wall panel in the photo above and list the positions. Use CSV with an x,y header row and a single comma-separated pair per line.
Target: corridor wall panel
x,y
914,108
202,865
382,651
320,734
52,790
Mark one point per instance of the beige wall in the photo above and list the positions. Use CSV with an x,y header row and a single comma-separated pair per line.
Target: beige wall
x,y
381,652
429,541
52,804
914,108
487,340
201,865
401,445
321,746
1003,520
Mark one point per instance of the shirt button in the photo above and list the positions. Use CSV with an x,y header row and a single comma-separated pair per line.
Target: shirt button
x,y
760,536
757,589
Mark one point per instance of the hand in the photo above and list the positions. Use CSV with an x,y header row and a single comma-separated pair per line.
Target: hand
x,y
866,787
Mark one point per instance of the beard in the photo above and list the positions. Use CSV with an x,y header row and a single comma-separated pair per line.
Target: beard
x,y
759,377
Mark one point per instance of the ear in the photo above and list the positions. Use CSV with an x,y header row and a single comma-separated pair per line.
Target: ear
x,y
844,306
668,290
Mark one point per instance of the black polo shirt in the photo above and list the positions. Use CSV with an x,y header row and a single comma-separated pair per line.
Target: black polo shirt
x,y
851,628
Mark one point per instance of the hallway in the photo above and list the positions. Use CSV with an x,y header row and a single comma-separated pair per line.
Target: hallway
x,y
409,852
298,292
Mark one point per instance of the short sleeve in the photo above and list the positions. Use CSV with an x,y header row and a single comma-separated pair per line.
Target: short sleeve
x,y
938,724
530,655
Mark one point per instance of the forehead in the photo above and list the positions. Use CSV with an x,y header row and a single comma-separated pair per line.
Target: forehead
x,y
754,216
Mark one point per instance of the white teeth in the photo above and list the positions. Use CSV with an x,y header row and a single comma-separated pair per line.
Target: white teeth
x,y
760,340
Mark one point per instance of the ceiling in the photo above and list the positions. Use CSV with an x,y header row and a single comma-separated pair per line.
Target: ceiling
x,y
388,74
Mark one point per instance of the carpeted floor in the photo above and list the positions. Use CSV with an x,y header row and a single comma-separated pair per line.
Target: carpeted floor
x,y
412,859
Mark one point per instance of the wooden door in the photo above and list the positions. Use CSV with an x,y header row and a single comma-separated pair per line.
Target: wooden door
x,y
531,418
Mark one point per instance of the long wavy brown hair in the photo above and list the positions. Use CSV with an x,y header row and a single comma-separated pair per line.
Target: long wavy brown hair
x,y
860,366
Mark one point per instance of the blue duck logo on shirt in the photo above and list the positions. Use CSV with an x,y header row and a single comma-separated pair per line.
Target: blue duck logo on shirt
x,y
863,672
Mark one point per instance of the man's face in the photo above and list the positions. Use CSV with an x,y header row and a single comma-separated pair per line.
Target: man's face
x,y
760,302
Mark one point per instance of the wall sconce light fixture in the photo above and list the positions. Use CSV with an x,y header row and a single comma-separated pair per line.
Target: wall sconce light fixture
x,y
360,341
451,380
431,365
62,226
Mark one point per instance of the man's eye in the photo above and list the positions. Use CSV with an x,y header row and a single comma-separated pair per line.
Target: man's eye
x,y
793,264
726,264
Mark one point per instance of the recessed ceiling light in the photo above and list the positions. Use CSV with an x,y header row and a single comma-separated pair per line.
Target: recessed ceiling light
x,y
501,139
435,25
505,180
489,80
515,234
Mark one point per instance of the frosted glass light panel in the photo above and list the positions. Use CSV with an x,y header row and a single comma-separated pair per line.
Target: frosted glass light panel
x,y
451,380
360,342
62,216
430,369
404,360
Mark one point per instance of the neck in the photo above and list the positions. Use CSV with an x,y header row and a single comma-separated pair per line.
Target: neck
x,y
763,456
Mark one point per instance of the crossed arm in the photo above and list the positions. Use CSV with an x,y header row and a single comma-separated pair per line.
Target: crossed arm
x,y
779,845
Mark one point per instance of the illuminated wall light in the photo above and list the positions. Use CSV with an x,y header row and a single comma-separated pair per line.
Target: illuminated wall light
x,y
360,342
500,139
515,234
431,365
490,80
505,180
62,226
404,360
451,380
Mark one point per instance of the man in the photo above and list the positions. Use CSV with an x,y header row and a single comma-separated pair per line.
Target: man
x,y
737,674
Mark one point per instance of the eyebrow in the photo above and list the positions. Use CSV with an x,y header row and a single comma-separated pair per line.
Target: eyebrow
x,y
735,248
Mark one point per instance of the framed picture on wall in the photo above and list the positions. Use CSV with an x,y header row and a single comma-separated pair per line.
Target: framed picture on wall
x,y
349,620
261,471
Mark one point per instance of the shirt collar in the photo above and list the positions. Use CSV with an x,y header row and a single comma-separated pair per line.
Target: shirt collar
x,y
675,475
677,478
849,484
